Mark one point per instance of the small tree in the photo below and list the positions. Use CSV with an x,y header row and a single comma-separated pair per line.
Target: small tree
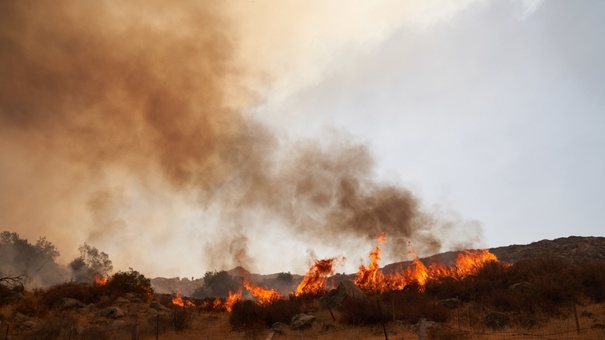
x,y
217,284
130,282
91,262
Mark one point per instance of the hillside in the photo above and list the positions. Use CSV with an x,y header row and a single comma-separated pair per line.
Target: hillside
x,y
577,248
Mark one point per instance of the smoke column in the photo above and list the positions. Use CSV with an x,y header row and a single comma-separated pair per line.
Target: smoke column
x,y
125,127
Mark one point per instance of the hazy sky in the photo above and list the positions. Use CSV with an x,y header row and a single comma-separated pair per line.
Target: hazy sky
x,y
484,119
496,112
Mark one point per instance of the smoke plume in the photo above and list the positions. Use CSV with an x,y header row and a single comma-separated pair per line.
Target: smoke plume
x,y
120,125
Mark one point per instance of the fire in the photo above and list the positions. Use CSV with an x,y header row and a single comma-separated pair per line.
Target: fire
x,y
367,278
263,295
101,280
315,280
232,299
179,301
372,279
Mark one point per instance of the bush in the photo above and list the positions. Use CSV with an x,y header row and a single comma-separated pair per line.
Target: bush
x,y
182,318
245,315
363,312
446,333
129,282
248,314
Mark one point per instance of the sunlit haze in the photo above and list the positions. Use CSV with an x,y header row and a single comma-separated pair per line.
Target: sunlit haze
x,y
195,136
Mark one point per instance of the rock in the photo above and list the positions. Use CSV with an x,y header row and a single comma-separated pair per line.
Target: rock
x,y
302,321
427,324
19,317
122,300
328,326
111,312
496,320
158,306
278,328
520,287
119,324
345,289
449,303
69,303
27,325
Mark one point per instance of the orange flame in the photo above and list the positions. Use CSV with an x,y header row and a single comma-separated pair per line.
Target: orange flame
x,y
101,280
232,299
372,279
315,280
367,278
179,301
263,296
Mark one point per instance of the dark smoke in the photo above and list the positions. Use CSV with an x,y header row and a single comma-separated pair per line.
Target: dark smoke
x,y
91,92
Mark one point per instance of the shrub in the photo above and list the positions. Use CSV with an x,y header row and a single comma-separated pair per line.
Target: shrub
x,y
129,282
182,318
363,312
446,333
248,314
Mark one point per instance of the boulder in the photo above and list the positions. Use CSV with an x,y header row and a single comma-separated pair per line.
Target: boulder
x,y
119,324
69,303
496,320
111,312
158,306
278,328
121,300
302,321
345,289
328,326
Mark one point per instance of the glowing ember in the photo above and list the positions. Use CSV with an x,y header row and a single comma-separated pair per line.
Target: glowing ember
x,y
232,299
263,295
179,301
315,280
101,280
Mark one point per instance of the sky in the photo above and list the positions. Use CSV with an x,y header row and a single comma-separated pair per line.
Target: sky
x,y
202,136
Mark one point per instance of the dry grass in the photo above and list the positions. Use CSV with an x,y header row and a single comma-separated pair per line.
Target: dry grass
x,y
558,291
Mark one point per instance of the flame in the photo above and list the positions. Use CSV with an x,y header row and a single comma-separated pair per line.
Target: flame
x,y
232,299
263,296
367,278
101,280
179,301
315,280
372,279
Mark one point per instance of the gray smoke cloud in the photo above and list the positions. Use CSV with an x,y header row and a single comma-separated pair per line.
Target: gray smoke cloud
x,y
97,98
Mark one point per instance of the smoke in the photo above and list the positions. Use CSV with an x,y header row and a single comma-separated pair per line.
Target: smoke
x,y
119,125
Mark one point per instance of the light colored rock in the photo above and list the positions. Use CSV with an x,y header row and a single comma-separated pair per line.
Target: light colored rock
x,y
302,321
69,303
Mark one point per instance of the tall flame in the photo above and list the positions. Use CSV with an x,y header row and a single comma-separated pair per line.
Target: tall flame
x,y
315,279
232,299
367,278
